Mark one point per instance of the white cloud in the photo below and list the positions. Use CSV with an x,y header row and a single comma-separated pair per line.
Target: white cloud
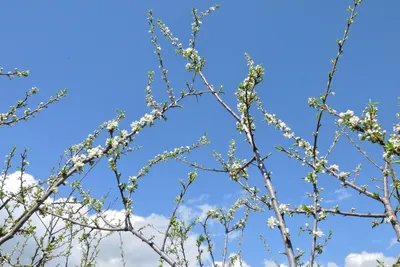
x,y
188,214
13,181
234,235
268,263
340,194
201,198
227,196
136,253
365,259
315,264
235,264
393,242
204,209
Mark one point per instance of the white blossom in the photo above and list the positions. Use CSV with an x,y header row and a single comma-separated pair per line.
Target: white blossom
x,y
78,161
284,208
272,222
343,175
124,133
288,135
354,121
318,233
334,168
348,113
95,152
112,125
113,142
135,125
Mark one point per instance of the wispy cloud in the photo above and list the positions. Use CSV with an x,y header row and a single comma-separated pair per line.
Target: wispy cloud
x,y
268,263
201,198
188,214
227,196
340,195
392,242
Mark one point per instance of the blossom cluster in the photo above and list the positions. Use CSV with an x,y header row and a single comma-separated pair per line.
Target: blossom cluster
x,y
78,161
272,222
271,119
95,152
112,125
368,127
149,97
393,145
245,93
349,117
192,55
284,208
238,203
15,72
245,122
237,171
173,154
318,233
167,33
11,116
147,119
113,142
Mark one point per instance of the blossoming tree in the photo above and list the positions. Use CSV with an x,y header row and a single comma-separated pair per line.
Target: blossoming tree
x,y
71,216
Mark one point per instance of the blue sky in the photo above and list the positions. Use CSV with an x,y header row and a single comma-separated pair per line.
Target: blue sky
x,y
101,52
